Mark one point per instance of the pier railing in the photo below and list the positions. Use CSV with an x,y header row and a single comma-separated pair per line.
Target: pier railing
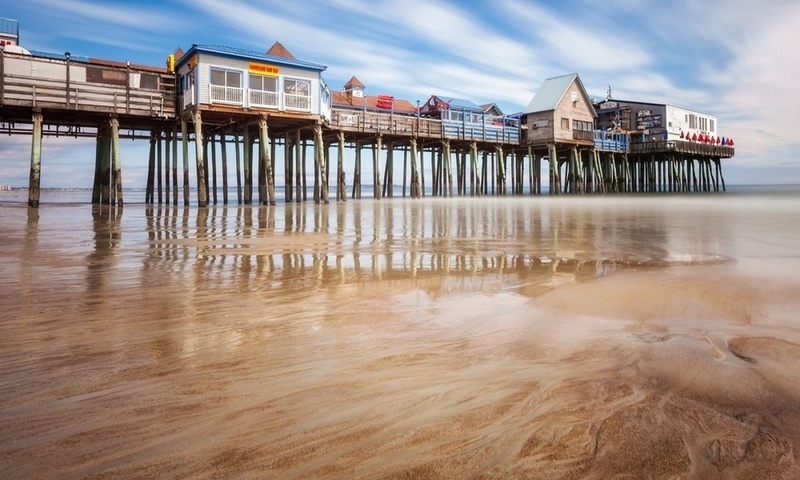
x,y
682,146
494,130
361,121
365,121
248,97
610,141
48,83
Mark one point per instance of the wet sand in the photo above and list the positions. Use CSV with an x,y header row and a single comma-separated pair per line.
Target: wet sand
x,y
620,337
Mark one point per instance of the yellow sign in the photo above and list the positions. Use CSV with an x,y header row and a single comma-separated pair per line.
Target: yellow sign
x,y
263,69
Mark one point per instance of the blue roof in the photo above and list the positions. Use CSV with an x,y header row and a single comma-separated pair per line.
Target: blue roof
x,y
551,92
59,56
250,55
461,104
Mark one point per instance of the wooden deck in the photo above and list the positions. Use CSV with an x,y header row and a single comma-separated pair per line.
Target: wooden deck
x,y
80,92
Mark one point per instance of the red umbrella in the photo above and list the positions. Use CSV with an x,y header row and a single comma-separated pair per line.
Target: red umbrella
x,y
694,137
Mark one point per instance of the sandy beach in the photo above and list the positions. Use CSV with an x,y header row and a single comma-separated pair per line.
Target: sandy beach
x,y
548,338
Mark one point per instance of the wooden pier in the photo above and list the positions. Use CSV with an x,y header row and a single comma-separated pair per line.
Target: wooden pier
x,y
285,110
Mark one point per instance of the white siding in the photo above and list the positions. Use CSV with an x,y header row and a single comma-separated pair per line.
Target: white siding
x,y
689,121
207,61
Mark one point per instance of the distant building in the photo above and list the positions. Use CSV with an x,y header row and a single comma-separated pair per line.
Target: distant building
x,y
492,109
446,108
560,113
354,96
9,32
655,121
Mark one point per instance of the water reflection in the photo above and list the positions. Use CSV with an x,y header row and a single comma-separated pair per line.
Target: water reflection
x,y
313,245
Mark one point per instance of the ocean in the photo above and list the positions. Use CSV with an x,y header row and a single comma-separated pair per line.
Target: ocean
x,y
595,336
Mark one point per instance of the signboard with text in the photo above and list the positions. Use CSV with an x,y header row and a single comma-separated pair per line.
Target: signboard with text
x,y
263,69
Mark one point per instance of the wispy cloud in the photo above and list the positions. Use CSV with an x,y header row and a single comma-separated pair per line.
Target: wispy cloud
x,y
731,58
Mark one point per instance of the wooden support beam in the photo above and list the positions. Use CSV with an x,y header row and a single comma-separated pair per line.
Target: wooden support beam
x,y
206,170
376,168
236,148
299,167
288,168
448,168
420,173
174,136
159,168
202,188
388,171
167,161
149,191
223,145
34,182
320,185
213,142
116,162
341,177
357,173
101,190
185,142
500,161
304,176
415,167
475,178
265,161
247,166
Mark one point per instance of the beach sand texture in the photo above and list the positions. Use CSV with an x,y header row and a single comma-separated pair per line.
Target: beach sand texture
x,y
567,338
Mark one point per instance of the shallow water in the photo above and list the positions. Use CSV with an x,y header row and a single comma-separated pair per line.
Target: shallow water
x,y
582,337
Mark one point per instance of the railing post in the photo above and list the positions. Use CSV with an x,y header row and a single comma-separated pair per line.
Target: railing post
x,y
2,76
67,55
128,88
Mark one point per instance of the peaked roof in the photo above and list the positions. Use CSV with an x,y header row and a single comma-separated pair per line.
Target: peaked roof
x,y
278,50
552,92
353,83
489,106
249,55
455,104
371,102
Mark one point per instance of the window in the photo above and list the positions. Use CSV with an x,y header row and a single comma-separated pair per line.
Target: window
x,y
264,91
565,124
148,81
297,94
712,125
107,76
226,78
582,125
188,81
294,86
263,83
226,86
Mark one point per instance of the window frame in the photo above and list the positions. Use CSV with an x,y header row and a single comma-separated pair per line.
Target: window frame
x,y
225,71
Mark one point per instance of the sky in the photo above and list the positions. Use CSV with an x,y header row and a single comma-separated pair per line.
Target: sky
x,y
734,59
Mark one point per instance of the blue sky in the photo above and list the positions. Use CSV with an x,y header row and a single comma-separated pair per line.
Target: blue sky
x,y
734,59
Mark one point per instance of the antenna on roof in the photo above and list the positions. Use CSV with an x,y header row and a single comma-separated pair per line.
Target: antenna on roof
x,y
608,93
